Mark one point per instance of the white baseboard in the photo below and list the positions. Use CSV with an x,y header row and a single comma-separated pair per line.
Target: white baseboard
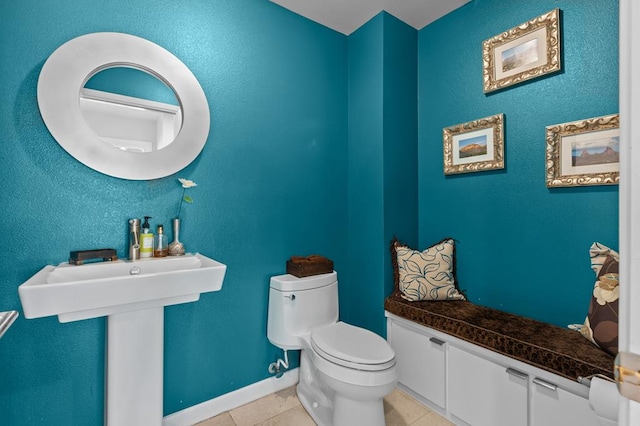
x,y
213,407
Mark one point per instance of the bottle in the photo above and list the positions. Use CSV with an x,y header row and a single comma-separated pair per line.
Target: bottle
x,y
146,239
160,243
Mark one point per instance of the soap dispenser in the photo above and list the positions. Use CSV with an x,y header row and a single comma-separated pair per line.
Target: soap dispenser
x,y
146,239
160,243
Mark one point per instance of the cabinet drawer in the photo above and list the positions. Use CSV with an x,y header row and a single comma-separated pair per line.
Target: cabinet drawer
x,y
420,362
553,406
483,393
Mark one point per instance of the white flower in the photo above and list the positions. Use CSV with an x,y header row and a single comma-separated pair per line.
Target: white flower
x,y
186,183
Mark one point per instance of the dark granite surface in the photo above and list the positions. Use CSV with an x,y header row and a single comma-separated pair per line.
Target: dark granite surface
x,y
558,350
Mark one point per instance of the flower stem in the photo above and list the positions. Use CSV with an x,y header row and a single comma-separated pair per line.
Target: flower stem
x,y
180,204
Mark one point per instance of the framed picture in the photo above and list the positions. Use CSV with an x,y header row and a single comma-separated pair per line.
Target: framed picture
x,y
474,146
585,152
530,50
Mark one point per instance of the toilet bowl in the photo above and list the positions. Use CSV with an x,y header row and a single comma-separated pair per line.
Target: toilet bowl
x,y
345,371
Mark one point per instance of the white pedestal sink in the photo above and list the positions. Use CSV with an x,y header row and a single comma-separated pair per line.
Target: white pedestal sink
x,y
133,296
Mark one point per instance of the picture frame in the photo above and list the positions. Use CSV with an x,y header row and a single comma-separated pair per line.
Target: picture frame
x,y
474,146
583,152
529,50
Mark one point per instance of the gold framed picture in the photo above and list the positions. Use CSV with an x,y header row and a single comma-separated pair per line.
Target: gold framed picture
x,y
474,146
530,50
584,152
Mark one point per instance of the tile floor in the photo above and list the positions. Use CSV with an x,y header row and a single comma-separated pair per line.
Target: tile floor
x,y
283,409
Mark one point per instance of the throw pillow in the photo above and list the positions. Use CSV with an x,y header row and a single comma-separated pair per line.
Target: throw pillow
x,y
427,274
601,324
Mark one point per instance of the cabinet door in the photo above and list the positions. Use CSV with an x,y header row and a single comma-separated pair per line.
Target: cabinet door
x,y
419,362
483,393
552,406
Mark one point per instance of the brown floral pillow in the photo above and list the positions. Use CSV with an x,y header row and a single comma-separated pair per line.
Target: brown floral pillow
x,y
601,324
427,274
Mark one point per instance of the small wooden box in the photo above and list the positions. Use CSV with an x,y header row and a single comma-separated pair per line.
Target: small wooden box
x,y
311,265
79,257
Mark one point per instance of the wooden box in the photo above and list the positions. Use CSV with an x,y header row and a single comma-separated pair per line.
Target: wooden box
x,y
300,266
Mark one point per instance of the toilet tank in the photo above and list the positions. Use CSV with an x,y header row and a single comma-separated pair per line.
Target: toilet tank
x,y
298,305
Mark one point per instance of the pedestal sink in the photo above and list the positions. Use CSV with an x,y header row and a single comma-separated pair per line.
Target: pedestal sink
x,y
133,296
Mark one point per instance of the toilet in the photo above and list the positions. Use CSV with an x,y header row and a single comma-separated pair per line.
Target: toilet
x,y
345,371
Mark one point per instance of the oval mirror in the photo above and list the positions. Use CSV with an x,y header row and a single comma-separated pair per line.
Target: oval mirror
x,y
98,62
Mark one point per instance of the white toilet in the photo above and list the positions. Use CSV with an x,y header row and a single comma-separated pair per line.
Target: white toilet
x,y
345,371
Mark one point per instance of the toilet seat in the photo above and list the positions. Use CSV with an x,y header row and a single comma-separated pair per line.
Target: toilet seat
x,y
352,347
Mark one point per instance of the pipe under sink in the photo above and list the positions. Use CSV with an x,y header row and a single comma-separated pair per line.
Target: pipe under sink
x,y
6,319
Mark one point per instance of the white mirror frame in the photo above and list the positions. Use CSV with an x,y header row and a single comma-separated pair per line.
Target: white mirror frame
x,y
65,73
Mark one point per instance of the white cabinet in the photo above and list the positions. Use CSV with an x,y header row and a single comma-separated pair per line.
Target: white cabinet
x,y
554,406
483,393
471,385
420,361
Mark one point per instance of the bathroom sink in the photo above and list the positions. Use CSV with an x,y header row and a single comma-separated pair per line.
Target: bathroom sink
x,y
101,289
132,295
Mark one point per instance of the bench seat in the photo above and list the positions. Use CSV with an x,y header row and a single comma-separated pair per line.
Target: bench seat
x,y
558,350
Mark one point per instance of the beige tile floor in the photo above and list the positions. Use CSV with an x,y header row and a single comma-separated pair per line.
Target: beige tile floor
x,y
283,409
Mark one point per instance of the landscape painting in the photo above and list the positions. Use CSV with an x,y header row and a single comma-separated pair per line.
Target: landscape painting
x,y
521,55
584,152
527,51
597,151
474,146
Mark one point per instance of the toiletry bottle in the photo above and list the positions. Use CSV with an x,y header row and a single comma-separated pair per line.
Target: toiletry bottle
x,y
146,239
160,243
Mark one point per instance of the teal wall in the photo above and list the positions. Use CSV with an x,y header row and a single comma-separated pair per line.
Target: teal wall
x,y
521,247
132,82
382,158
365,201
400,151
271,184
318,144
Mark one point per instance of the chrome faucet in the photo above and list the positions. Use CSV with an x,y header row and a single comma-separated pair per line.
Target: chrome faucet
x,y
134,239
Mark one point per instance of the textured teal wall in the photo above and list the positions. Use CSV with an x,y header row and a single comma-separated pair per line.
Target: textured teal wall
x,y
521,247
132,82
400,151
271,184
365,178
382,160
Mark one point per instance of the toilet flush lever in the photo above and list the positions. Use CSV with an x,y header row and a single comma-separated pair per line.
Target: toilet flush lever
x,y
291,297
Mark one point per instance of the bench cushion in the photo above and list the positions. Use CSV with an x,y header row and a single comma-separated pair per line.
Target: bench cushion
x,y
557,350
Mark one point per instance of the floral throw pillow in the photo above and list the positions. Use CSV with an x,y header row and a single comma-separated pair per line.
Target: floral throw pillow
x,y
601,324
427,274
